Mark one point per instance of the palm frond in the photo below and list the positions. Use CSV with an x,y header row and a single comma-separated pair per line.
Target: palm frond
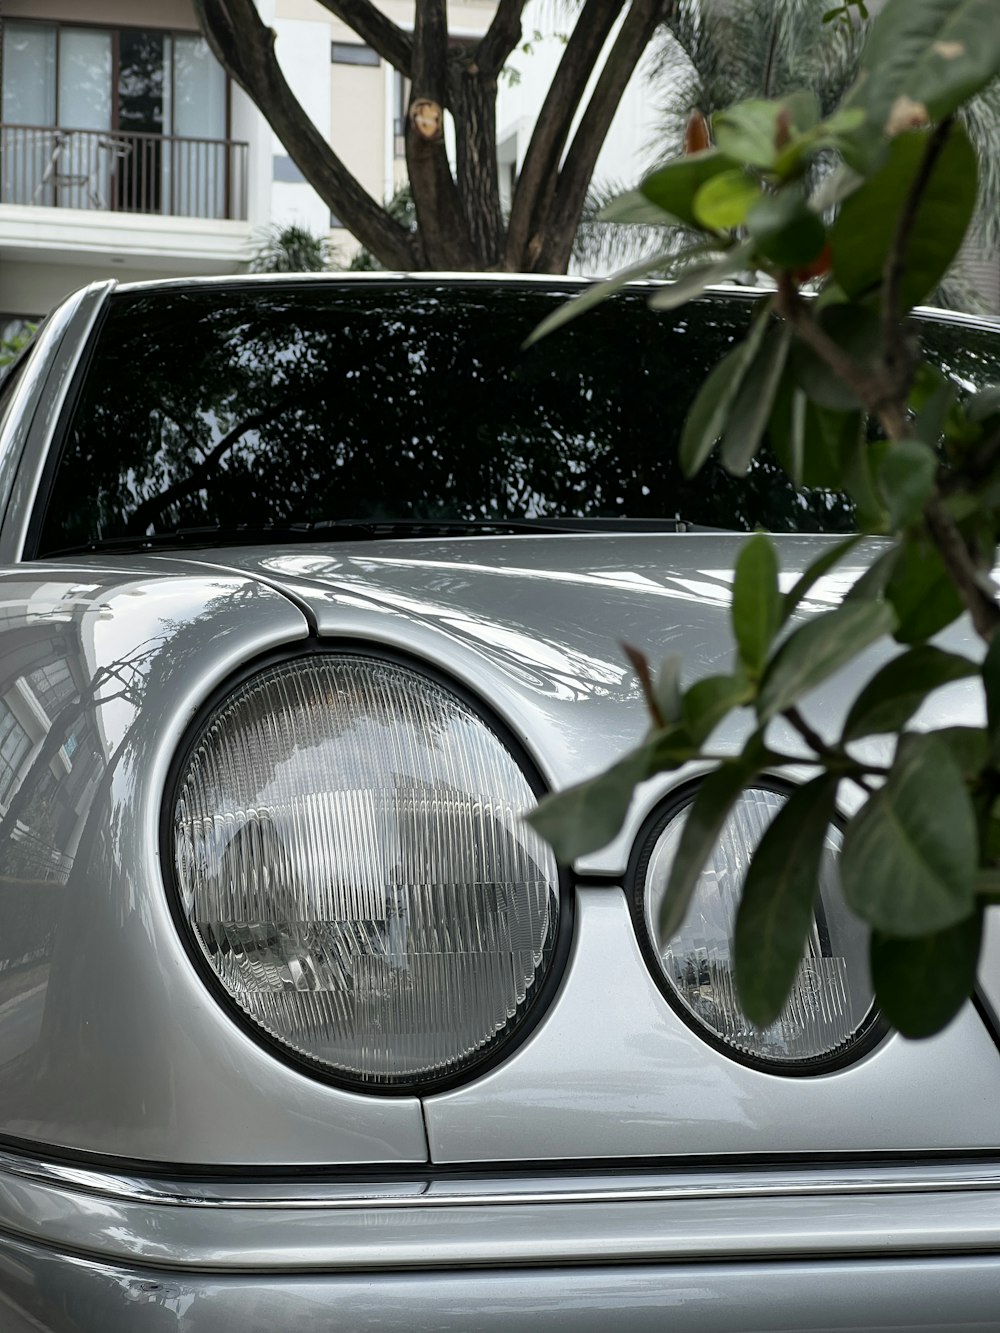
x,y
290,249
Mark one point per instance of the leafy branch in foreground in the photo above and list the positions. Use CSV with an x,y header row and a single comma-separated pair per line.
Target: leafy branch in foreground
x,y
831,373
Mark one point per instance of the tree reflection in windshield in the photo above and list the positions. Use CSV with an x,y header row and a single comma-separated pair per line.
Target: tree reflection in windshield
x,y
301,403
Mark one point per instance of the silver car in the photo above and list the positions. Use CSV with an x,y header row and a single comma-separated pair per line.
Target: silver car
x,y
309,589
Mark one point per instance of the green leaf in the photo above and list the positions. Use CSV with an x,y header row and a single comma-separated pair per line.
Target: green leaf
x,y
920,984
634,207
932,399
861,460
709,700
804,110
594,295
857,332
991,687
693,282
673,188
812,574
785,229
909,860
709,412
967,746
703,823
936,54
747,132
921,592
753,402
872,583
586,817
863,233
984,405
907,476
667,689
724,201
776,910
811,442
815,650
756,606
895,692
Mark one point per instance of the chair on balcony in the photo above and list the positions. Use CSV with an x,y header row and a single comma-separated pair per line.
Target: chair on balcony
x,y
59,172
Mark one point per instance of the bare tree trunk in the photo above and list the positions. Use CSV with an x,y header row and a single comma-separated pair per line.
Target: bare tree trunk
x,y
578,168
460,224
472,90
245,48
443,234
478,183
375,28
537,182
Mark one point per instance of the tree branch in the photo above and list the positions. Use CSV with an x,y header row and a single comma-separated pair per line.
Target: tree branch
x,y
875,395
893,349
376,29
443,234
502,36
973,585
812,738
578,168
536,183
245,47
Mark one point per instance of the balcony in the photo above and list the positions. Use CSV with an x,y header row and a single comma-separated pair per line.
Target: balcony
x,y
123,172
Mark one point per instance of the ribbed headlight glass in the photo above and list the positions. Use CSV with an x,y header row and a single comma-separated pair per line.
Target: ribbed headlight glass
x,y
829,1009
353,865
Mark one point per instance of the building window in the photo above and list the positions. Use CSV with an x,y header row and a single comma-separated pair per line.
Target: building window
x,y
53,685
14,746
353,53
120,118
401,105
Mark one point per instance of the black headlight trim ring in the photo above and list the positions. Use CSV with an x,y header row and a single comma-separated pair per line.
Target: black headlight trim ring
x,y
872,1030
536,1007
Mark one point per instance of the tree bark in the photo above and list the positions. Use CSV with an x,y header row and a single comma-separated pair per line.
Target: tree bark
x,y
245,47
502,36
443,235
578,167
475,113
537,181
377,30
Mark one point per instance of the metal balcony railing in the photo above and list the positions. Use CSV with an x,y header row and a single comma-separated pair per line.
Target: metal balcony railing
x,y
123,172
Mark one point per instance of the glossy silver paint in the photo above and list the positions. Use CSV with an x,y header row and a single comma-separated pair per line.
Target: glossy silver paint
x,y
43,1291
613,1070
109,1042
535,626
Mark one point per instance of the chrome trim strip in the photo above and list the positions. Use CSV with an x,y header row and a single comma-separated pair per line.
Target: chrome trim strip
x,y
65,341
602,1187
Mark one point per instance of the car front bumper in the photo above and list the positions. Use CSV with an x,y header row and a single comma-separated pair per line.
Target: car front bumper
x,y
878,1245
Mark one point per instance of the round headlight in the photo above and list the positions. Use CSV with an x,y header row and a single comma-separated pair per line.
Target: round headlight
x,y
353,866
829,1017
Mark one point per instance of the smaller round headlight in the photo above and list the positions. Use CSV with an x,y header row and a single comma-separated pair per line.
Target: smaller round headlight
x,y
829,1017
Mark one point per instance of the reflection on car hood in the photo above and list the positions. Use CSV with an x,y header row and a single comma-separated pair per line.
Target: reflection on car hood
x,y
535,625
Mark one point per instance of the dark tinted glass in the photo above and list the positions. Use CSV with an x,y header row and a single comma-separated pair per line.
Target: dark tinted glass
x,y
278,405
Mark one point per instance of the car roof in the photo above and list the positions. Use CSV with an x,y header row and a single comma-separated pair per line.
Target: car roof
x,y
549,281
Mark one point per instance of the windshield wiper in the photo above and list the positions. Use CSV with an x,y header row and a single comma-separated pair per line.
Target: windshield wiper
x,y
363,529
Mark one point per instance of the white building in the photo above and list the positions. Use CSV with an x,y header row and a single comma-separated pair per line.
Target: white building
x,y
125,150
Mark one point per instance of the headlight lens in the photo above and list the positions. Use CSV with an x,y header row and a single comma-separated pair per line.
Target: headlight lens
x,y
829,1013
352,863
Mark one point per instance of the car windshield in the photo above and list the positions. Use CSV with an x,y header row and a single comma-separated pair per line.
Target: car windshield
x,y
274,406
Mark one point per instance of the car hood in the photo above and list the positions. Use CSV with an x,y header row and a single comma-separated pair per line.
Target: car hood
x,y
535,626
